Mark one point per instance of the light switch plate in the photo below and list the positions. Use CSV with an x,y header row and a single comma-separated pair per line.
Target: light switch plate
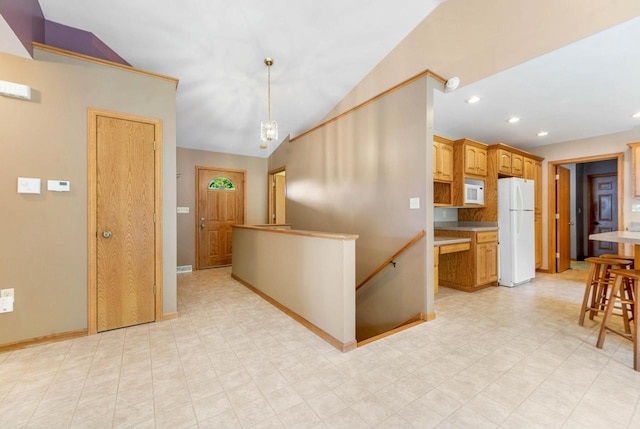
x,y
28,185
635,208
183,210
414,203
6,305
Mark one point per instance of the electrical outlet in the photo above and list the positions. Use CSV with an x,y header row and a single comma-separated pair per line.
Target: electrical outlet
x,y
7,293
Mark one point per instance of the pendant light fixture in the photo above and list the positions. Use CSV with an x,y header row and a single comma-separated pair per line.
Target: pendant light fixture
x,y
269,129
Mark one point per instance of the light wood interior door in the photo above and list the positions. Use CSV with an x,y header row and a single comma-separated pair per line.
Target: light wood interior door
x,y
125,209
563,219
221,204
603,211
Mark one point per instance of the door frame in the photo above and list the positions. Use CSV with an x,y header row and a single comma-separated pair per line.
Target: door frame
x,y
270,180
566,221
551,200
92,232
197,201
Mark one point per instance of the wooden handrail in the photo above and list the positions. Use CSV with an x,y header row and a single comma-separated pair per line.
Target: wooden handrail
x,y
390,260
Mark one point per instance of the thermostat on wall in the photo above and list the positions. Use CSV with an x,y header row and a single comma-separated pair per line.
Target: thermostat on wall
x,y
58,185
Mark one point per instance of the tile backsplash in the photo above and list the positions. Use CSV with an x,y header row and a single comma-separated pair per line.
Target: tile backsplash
x,y
441,214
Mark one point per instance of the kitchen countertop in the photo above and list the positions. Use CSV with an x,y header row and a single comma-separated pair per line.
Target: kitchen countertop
x,y
466,226
443,241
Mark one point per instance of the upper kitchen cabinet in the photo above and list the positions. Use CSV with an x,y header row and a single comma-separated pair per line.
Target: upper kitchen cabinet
x,y
529,170
511,162
469,169
635,159
472,155
517,165
442,159
504,161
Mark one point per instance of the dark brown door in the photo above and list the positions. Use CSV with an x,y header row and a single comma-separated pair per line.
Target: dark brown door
x,y
125,201
221,204
603,211
563,218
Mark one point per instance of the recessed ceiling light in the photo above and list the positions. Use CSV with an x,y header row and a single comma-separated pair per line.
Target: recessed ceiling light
x,y
637,115
543,133
473,99
513,120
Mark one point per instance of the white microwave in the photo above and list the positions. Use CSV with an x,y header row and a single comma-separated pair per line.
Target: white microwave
x,y
473,194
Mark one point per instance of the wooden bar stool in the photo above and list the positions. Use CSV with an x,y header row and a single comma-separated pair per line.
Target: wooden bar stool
x,y
628,297
623,257
598,285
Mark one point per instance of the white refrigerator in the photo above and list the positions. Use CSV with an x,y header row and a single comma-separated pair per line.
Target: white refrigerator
x,y
516,231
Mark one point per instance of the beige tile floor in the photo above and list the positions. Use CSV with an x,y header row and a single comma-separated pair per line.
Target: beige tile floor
x,y
510,358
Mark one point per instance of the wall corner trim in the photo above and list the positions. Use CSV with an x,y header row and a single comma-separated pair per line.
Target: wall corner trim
x,y
83,57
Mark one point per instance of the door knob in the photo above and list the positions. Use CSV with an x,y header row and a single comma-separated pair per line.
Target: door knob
x,y
202,225
596,223
106,234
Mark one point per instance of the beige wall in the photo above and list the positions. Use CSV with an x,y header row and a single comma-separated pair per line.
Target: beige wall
x,y
602,145
43,250
356,176
474,39
186,161
311,276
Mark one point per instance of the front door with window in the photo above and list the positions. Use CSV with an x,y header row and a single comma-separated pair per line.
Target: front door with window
x,y
221,204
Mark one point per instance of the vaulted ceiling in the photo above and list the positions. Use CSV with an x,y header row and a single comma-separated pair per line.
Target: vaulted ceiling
x,y
323,49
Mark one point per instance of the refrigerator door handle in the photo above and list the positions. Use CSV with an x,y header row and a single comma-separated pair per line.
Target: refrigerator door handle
x,y
519,197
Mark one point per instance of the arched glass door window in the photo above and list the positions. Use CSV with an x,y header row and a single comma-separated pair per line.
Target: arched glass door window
x,y
221,183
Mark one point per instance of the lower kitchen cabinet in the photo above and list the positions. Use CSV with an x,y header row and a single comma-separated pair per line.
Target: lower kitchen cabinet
x,y
486,257
471,270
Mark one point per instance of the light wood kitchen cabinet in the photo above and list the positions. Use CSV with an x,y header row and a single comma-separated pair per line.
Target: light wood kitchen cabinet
x,y
504,161
537,220
510,163
537,178
474,157
469,166
529,170
487,257
635,162
517,166
436,257
442,159
473,269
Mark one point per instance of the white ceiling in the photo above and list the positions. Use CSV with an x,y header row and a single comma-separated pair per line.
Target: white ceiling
x,y
321,49
589,88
